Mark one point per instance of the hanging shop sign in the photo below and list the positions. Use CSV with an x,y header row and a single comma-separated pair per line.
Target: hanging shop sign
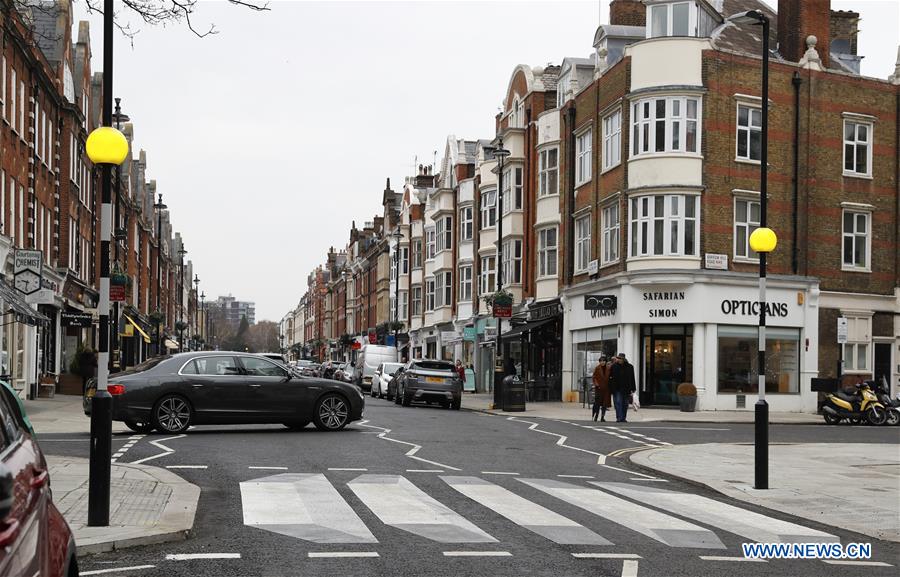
x,y
117,293
82,320
27,271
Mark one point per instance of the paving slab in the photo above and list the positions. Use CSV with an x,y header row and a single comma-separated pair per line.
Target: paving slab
x,y
853,486
147,505
575,411
61,414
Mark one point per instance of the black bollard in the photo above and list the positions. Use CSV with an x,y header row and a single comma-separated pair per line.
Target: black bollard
x,y
100,465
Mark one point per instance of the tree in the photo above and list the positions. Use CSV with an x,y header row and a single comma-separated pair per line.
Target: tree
x,y
263,337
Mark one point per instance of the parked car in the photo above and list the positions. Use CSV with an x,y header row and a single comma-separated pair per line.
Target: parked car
x,y
311,370
275,357
367,361
383,376
344,373
429,381
34,537
172,393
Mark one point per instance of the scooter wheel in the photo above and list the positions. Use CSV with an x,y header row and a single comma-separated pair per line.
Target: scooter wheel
x,y
876,416
832,419
893,417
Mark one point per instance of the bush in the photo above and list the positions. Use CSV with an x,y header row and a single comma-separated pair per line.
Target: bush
x,y
686,390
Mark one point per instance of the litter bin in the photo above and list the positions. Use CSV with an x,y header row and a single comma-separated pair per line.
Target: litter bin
x,y
513,394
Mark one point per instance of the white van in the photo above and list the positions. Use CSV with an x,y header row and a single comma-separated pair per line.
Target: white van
x,y
367,361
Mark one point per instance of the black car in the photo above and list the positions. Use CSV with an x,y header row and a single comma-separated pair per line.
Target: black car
x,y
172,393
429,381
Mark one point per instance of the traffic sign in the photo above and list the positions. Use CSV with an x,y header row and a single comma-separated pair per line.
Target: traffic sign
x,y
842,330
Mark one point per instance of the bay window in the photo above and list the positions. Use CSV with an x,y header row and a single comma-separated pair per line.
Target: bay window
x,y
417,253
512,189
443,296
416,301
512,262
487,282
404,260
402,312
465,223
665,124
465,283
582,243
548,172
429,294
444,233
746,220
664,225
610,226
429,243
488,209
671,19
547,247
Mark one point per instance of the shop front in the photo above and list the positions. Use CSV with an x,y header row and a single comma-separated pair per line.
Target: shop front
x,y
534,343
696,328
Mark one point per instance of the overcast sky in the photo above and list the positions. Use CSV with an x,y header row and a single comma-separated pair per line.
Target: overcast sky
x,y
270,137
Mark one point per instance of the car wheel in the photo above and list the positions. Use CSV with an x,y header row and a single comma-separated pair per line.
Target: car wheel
x,y
296,425
172,414
455,405
332,413
405,399
139,427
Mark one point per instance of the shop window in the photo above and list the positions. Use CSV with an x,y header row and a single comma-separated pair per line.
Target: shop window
x,y
603,343
738,360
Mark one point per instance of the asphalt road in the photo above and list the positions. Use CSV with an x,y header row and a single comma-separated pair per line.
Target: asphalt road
x,y
426,491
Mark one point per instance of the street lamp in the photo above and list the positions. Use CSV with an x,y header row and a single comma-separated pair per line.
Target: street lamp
x,y
106,147
181,253
397,236
203,335
120,233
196,293
500,154
159,207
763,241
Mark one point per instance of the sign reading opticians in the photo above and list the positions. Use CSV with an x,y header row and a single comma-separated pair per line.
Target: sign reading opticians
x,y
601,305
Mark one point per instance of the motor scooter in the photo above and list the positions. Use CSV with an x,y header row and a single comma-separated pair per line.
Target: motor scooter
x,y
860,404
892,406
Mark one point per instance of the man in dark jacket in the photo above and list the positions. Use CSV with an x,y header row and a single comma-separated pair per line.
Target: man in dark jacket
x,y
622,386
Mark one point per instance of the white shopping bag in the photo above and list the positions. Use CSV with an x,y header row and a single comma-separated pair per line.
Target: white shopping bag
x,y
635,403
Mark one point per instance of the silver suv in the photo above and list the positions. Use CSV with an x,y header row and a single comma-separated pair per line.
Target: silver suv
x,y
429,381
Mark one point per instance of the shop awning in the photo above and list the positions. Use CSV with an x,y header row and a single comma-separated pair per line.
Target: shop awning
x,y
14,303
526,327
138,328
170,344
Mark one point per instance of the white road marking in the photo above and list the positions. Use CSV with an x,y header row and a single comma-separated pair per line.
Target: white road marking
x,y
424,470
302,505
678,428
649,480
477,554
261,468
497,473
399,503
86,440
164,448
754,526
630,472
340,554
186,466
601,458
840,562
193,556
531,516
576,476
723,558
116,570
346,469
412,452
629,568
664,528
606,556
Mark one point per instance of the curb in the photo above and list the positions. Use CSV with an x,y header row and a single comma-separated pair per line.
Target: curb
x,y
500,413
88,547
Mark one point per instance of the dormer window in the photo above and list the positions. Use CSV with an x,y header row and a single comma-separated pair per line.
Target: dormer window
x,y
693,19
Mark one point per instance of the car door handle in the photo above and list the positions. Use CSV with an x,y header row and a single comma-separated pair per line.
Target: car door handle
x,y
9,533
197,386
255,386
40,479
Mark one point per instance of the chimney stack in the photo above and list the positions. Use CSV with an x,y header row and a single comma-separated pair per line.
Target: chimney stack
x,y
798,19
844,30
627,13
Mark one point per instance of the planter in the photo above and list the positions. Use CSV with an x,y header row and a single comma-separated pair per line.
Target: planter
x,y
688,403
69,384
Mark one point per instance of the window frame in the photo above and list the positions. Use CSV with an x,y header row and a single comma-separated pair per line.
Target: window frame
x,y
465,283
430,241
417,301
547,254
443,231
853,236
487,274
583,243
488,210
870,126
749,225
583,156
645,123
513,189
749,129
612,141
417,254
646,221
466,223
858,336
512,258
545,171
429,294
670,20
610,251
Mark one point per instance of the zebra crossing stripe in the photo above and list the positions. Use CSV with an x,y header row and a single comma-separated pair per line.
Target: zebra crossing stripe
x,y
399,503
524,513
664,528
301,505
754,526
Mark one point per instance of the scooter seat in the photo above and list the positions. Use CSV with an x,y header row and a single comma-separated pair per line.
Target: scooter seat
x,y
849,397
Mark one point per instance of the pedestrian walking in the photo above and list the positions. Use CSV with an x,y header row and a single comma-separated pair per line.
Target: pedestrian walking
x,y
601,389
461,370
622,386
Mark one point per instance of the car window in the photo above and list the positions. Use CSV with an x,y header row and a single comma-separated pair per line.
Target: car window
x,y
257,367
392,368
190,368
433,365
9,424
217,366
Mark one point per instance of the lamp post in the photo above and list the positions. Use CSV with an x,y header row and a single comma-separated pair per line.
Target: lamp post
x,y
196,293
181,253
203,335
500,154
120,233
106,147
762,241
159,207
397,236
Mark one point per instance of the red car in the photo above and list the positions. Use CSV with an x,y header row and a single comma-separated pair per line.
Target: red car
x,y
34,537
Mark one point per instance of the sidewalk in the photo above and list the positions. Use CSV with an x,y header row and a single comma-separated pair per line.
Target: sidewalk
x,y
62,414
147,505
851,486
574,411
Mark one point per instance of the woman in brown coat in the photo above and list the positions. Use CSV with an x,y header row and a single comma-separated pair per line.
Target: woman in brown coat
x,y
602,399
